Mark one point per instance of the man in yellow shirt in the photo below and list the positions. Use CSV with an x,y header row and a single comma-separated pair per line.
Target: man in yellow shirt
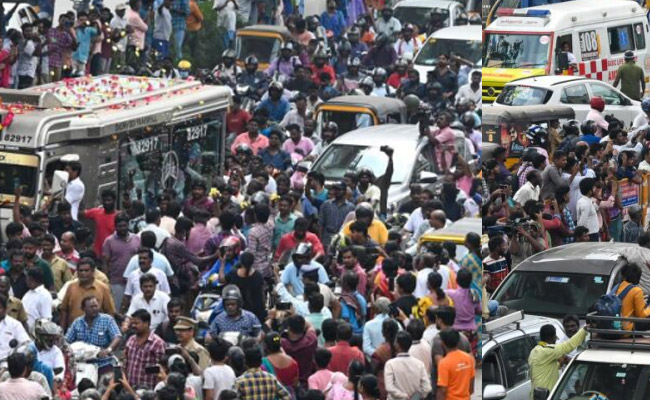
x,y
376,229
544,359
633,303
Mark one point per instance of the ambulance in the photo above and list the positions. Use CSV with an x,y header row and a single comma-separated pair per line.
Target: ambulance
x,y
541,41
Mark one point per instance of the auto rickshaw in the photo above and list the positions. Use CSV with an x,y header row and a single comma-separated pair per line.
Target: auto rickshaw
x,y
455,233
354,112
506,126
262,41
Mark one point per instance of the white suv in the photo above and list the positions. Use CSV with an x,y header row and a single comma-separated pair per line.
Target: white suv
x,y
506,345
573,91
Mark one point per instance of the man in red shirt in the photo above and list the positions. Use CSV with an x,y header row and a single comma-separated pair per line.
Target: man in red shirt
x,y
319,66
104,218
395,79
236,118
342,353
299,235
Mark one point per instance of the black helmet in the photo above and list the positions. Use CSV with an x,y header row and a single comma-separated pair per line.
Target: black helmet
x,y
366,171
381,39
231,292
228,53
243,148
537,135
345,46
468,119
331,126
588,127
571,127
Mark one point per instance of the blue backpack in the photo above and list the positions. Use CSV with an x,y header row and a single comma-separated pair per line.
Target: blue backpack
x,y
609,305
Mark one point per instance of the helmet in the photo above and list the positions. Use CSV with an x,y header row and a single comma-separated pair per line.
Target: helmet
x,y
401,63
364,210
366,171
276,85
44,328
645,105
462,19
588,127
244,149
331,126
412,103
252,60
321,53
457,125
367,81
408,27
475,20
354,62
354,31
468,119
571,127
287,46
231,292
228,53
435,85
345,46
379,71
184,65
537,135
381,39
597,103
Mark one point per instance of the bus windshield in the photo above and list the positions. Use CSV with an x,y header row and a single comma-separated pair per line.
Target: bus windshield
x,y
503,50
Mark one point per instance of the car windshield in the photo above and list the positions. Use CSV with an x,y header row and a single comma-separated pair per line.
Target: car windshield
x,y
341,158
515,51
467,49
414,15
584,379
523,96
261,47
571,293
347,121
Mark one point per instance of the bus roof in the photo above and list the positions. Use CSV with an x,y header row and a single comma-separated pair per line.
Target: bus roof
x,y
568,14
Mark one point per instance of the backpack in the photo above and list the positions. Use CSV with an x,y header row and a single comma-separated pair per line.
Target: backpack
x,y
609,305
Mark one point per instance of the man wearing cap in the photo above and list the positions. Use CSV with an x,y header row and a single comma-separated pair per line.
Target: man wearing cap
x,y
408,43
185,329
332,212
631,77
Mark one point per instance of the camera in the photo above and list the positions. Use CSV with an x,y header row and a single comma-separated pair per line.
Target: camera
x,y
386,149
511,228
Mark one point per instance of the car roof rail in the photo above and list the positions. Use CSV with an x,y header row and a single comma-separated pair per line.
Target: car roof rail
x,y
512,318
616,338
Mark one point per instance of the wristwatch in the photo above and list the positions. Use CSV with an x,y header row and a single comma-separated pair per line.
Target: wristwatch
x,y
109,350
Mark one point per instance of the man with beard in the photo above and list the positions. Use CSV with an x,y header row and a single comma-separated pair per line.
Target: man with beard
x,y
413,85
116,253
31,246
333,212
395,79
445,77
15,308
472,90
235,318
408,43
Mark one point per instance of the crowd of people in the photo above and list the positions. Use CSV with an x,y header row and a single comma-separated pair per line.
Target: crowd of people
x,y
322,292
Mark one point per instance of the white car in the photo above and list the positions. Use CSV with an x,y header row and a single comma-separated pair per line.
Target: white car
x,y
573,91
506,344
417,12
463,41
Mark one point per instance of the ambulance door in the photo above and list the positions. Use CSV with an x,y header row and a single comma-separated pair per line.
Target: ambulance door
x,y
563,59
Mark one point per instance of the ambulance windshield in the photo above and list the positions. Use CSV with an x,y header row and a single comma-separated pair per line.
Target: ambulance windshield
x,y
504,50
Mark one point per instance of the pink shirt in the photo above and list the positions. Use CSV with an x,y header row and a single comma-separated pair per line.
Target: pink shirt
x,y
260,142
198,236
597,117
136,38
320,379
445,138
305,146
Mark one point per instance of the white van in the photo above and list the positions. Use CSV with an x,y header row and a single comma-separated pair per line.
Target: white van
x,y
463,41
527,42
418,12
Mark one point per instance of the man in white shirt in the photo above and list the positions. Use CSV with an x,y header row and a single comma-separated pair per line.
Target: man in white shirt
x,y
38,300
145,257
586,210
9,329
472,90
74,191
529,191
407,43
47,334
150,299
160,262
387,24
153,225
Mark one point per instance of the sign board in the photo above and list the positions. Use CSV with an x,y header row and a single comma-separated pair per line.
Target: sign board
x,y
589,45
630,193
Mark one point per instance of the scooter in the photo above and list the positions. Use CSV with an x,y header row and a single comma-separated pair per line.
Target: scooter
x,y
207,305
85,356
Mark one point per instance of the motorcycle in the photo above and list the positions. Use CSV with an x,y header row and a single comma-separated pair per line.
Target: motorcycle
x,y
85,356
247,94
207,305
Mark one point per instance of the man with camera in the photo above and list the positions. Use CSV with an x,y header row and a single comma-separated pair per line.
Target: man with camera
x,y
525,242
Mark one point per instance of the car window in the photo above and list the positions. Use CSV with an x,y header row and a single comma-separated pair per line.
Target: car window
x,y
620,39
523,96
611,96
639,36
576,94
612,381
515,355
491,371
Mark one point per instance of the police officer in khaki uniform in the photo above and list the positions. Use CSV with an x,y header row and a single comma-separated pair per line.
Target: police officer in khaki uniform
x,y
185,329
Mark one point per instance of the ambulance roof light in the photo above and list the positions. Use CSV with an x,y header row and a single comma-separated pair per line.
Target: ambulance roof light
x,y
522,12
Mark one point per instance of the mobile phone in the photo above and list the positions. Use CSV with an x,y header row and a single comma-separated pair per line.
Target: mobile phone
x,y
172,350
282,306
152,369
117,374
393,310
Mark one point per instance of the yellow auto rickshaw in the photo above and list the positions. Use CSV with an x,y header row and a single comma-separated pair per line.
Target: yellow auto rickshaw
x,y
261,41
354,112
455,233
506,126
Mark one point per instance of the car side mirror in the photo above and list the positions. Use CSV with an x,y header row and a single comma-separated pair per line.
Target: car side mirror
x,y
540,393
428,177
494,392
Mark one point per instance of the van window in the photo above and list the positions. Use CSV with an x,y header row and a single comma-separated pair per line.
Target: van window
x,y
639,36
620,39
515,354
576,94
